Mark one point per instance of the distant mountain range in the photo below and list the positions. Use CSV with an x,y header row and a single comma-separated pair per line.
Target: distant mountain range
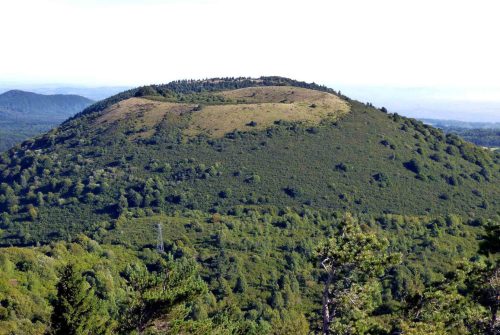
x,y
247,180
93,93
461,124
26,114
20,105
271,141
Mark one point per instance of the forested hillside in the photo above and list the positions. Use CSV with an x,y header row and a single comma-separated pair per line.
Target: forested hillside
x,y
21,105
25,114
262,187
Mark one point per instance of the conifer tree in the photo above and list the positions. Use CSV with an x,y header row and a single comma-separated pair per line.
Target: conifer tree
x,y
75,309
490,287
241,284
154,294
122,204
352,261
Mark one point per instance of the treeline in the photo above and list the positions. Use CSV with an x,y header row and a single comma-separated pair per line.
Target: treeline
x,y
481,137
190,87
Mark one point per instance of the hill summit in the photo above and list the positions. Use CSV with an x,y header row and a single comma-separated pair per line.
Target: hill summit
x,y
221,144
228,205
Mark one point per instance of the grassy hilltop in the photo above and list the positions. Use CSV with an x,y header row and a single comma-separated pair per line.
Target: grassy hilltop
x,y
271,145
247,177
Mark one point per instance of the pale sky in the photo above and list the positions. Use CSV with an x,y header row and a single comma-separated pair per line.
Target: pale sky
x,y
394,43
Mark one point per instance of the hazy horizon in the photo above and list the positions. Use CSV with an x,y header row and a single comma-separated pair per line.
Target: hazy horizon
x,y
416,102
392,53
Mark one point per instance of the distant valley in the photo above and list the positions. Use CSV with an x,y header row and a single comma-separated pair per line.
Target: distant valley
x,y
486,134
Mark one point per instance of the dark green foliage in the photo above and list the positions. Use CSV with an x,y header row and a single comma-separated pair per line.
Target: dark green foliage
x,y
466,301
241,284
414,166
92,175
146,91
443,308
249,262
15,132
152,295
353,262
251,208
76,311
103,289
482,137
484,281
292,192
341,167
491,242
382,179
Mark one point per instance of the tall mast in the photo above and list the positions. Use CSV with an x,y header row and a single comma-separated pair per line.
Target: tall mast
x,y
159,239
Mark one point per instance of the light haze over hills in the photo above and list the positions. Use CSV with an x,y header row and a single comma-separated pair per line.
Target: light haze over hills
x,y
91,92
210,193
432,70
463,104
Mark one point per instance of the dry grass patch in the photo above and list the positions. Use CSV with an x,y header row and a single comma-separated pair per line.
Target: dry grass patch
x,y
143,113
280,94
263,106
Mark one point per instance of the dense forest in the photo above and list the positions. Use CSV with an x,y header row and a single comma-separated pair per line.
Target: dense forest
x,y
248,206
483,137
15,132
